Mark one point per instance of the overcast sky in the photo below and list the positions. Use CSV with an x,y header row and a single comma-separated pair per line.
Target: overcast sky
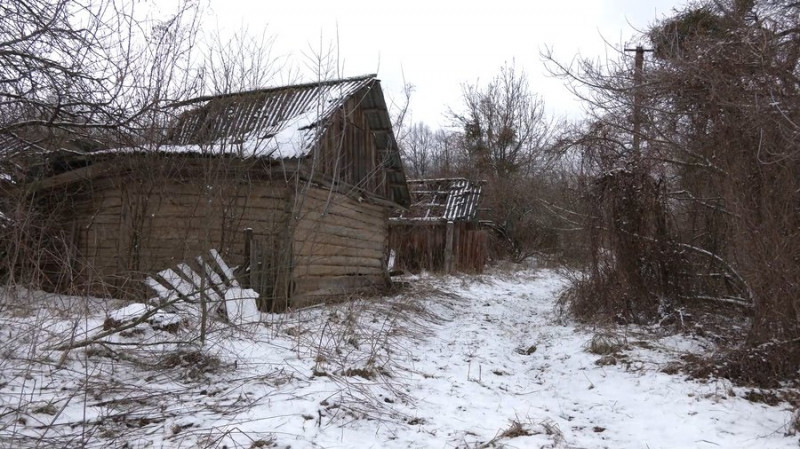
x,y
437,45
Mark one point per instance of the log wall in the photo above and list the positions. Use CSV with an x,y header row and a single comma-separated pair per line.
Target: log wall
x,y
131,224
339,245
87,215
312,243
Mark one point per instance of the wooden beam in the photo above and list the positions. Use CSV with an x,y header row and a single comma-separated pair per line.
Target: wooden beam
x,y
79,174
349,190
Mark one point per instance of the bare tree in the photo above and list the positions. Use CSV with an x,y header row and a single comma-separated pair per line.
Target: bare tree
x,y
241,62
76,75
503,134
728,76
71,66
709,212
504,125
419,152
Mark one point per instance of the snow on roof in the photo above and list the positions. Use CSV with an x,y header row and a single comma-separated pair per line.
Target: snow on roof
x,y
442,199
280,123
292,138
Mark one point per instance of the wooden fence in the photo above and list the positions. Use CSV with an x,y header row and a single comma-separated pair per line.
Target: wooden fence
x,y
438,246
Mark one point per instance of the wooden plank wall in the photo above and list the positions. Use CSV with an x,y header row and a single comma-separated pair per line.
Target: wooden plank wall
x,y
471,248
191,218
421,246
88,216
339,245
141,222
418,247
348,150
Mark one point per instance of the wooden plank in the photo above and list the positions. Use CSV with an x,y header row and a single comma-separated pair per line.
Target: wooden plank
x,y
346,194
221,188
332,221
340,235
189,274
200,211
100,201
331,243
181,285
217,201
102,264
309,287
258,196
225,269
326,249
80,174
103,182
345,261
305,228
323,208
362,221
340,201
169,240
448,247
100,221
201,282
210,274
314,236
333,270
166,294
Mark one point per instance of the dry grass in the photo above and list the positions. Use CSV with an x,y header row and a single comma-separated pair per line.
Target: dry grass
x,y
606,343
517,429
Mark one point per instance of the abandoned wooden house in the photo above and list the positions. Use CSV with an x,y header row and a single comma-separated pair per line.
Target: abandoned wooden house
x,y
292,184
440,230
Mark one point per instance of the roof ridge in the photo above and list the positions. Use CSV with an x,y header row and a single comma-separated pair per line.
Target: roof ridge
x,y
332,82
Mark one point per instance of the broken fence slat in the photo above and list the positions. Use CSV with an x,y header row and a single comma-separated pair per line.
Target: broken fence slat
x,y
214,285
200,283
181,285
211,278
189,274
226,270
164,293
210,274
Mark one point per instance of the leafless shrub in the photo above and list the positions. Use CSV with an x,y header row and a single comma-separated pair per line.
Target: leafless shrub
x,y
767,366
690,169
794,423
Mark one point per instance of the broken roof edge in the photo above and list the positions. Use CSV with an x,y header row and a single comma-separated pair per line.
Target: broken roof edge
x,y
454,178
331,82
441,200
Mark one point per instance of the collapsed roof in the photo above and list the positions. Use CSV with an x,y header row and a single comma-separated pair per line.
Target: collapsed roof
x,y
442,199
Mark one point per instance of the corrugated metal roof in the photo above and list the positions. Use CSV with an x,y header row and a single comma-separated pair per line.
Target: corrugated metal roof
x,y
442,199
12,146
281,123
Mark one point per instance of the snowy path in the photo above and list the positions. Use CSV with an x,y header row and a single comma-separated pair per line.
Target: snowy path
x,y
478,377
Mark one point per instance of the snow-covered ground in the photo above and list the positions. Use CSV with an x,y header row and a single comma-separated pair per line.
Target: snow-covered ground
x,y
451,362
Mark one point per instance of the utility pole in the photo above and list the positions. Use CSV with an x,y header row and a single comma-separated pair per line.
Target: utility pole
x,y
638,65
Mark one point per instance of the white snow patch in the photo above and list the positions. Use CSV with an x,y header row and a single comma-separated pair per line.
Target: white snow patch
x,y
241,307
288,139
129,313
